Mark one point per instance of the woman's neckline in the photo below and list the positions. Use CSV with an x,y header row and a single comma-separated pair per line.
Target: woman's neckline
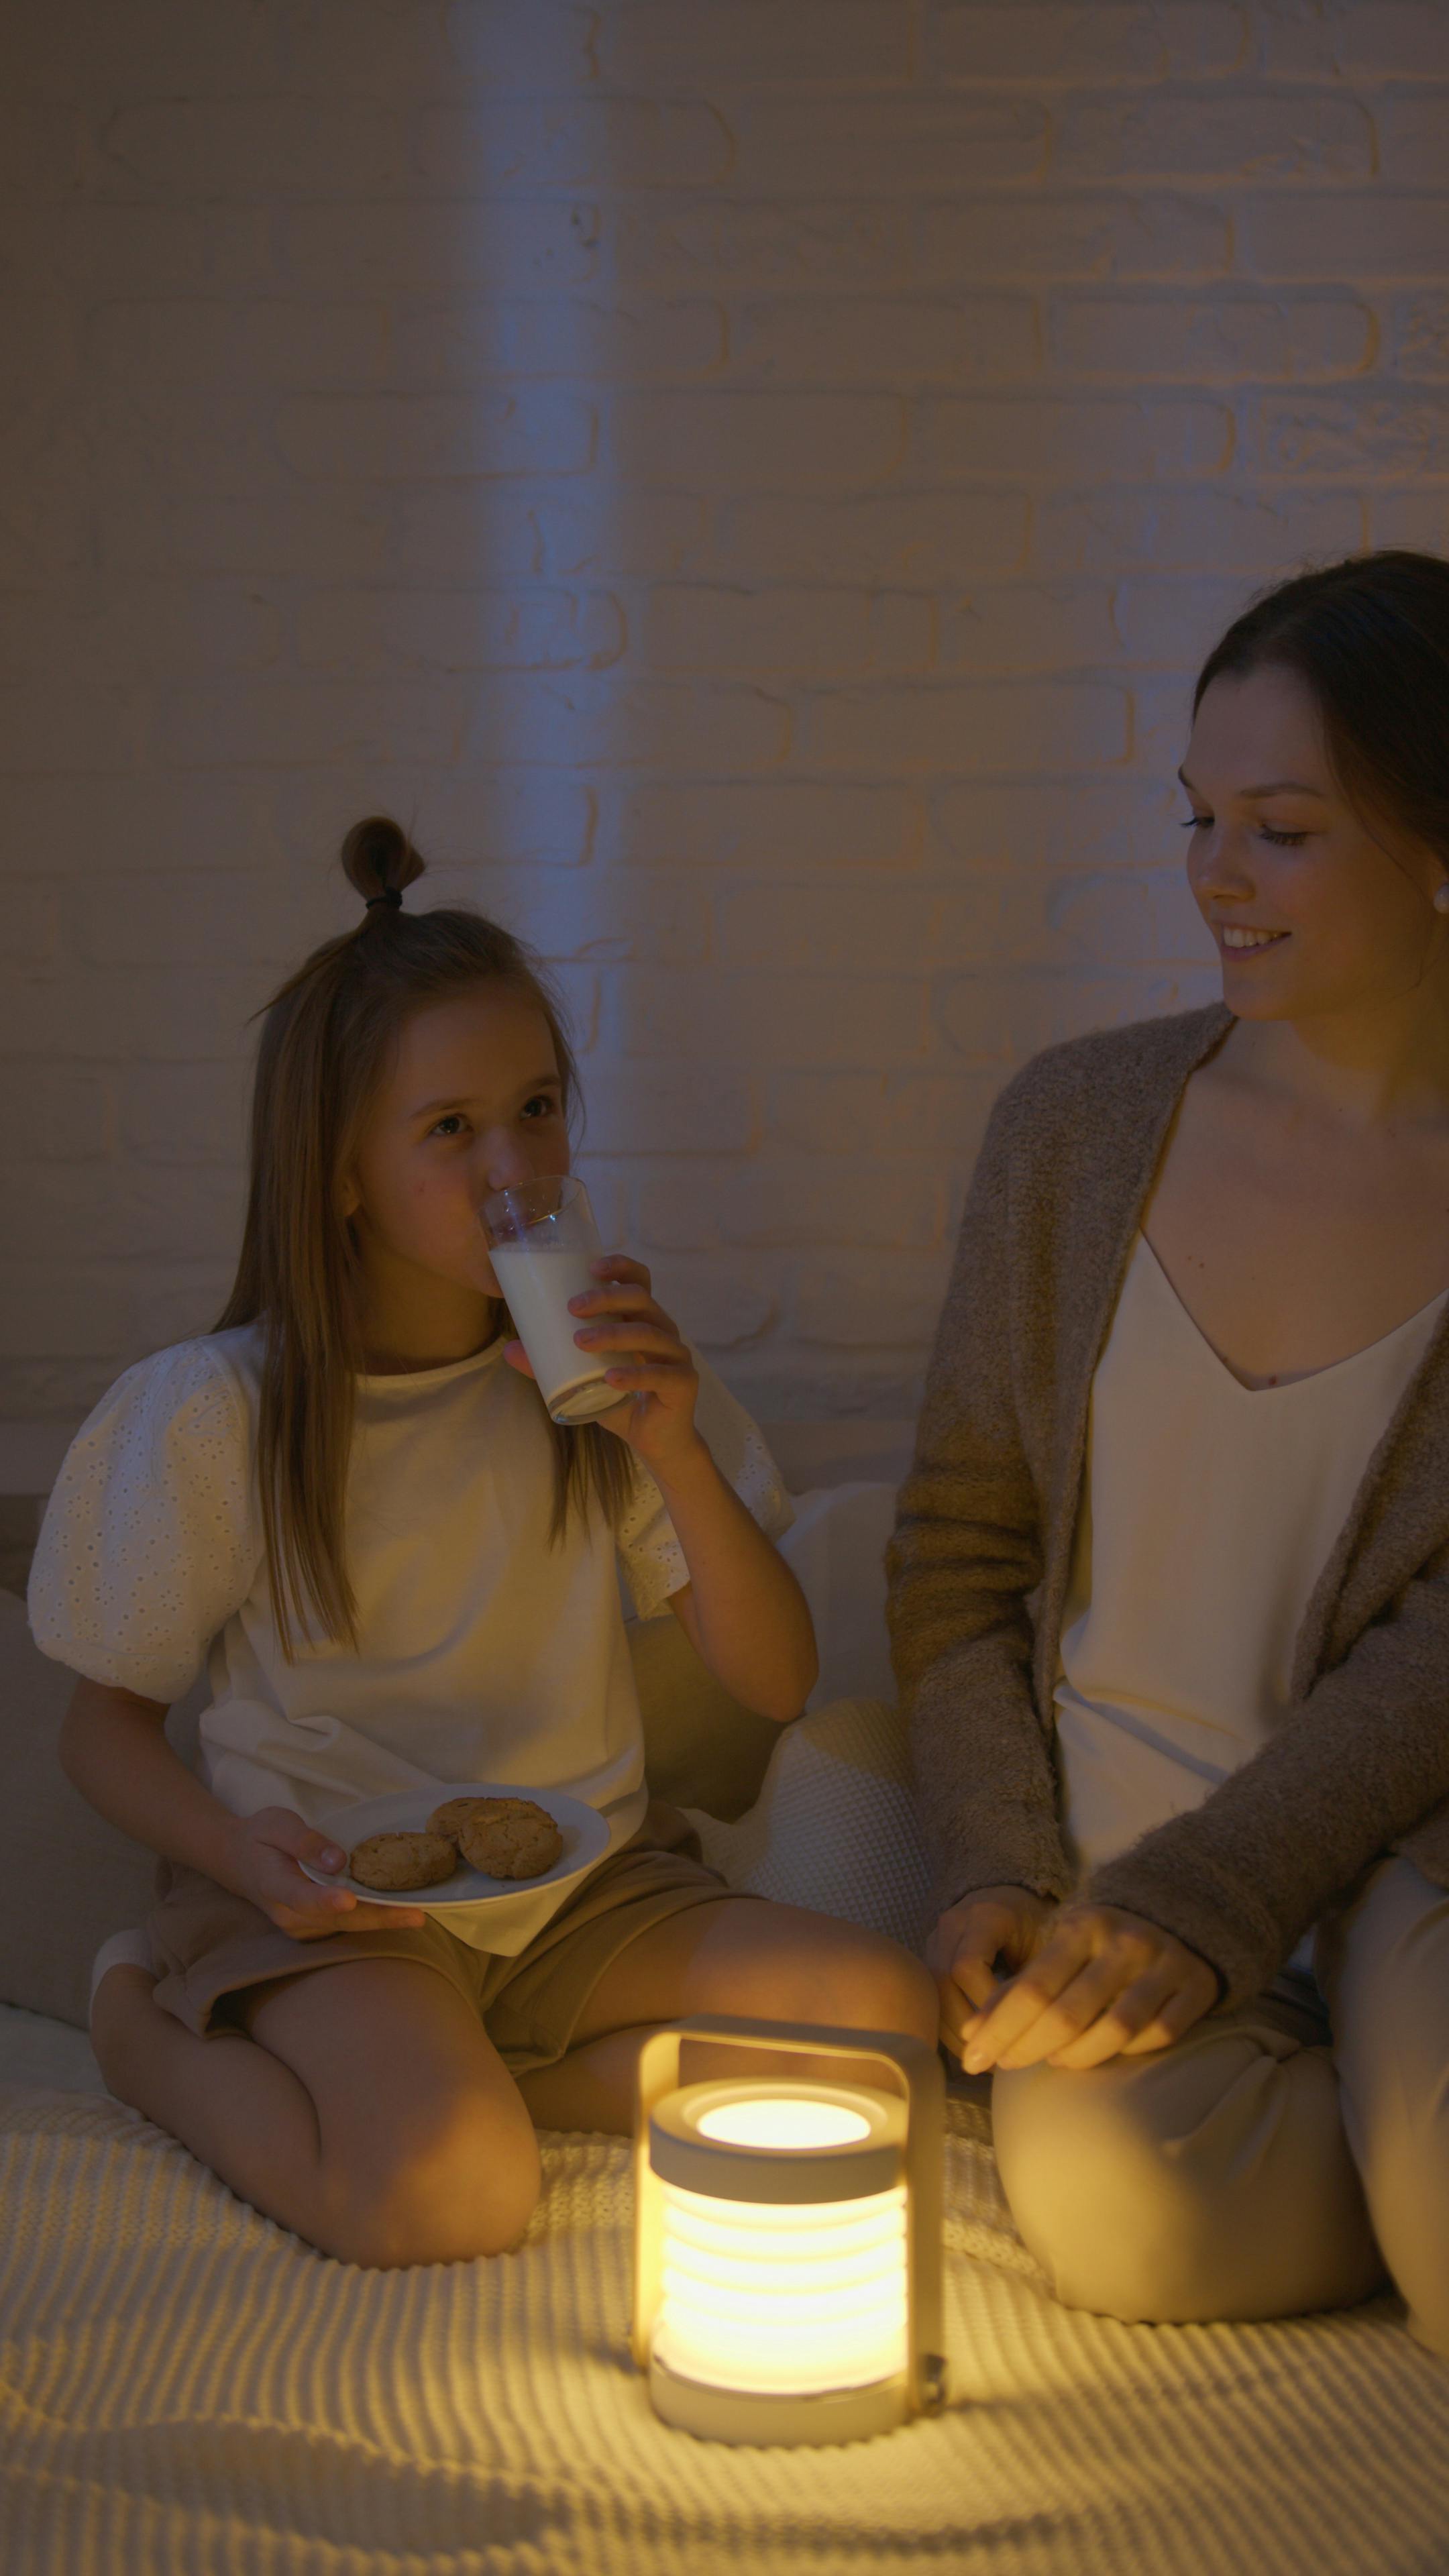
x,y
1303,1377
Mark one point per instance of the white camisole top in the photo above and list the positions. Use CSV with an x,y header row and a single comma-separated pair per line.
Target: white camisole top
x,y
1208,1512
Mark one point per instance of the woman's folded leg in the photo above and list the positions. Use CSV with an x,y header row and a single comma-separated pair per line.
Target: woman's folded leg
x,y
1384,1965
1210,2180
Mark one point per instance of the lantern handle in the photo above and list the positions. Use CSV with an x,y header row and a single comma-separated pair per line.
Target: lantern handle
x,y
906,2057
658,2074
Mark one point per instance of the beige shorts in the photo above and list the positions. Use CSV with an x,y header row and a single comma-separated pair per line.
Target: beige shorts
x,y
210,1946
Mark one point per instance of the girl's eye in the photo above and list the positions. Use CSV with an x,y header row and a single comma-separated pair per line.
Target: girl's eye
x,y
452,1118
1196,822
542,1105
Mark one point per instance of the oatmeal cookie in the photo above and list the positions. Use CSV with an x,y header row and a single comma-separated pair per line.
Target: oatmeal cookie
x,y
519,1843
393,1861
454,1813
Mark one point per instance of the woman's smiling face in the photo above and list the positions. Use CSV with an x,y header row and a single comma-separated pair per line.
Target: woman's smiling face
x,y
471,1102
1312,915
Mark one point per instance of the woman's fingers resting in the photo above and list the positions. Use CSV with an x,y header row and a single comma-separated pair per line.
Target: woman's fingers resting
x,y
1027,1997
1103,2030
1089,1983
1057,2023
995,1925
1177,2015
969,1978
1102,1982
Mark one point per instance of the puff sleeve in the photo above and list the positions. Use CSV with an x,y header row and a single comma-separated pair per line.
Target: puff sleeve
x,y
150,1538
650,1554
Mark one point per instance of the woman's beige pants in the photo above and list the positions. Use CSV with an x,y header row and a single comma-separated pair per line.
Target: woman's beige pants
x,y
1277,2159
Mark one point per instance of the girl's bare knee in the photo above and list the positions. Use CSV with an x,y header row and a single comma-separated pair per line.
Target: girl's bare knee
x,y
468,2190
897,1992
862,1981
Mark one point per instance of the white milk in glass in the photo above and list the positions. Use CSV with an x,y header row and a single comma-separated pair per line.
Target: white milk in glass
x,y
537,1279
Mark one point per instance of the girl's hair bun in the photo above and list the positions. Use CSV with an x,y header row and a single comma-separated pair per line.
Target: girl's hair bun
x,y
379,859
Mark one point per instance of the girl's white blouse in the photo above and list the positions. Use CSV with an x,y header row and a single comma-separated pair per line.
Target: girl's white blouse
x,y
1208,1512
486,1652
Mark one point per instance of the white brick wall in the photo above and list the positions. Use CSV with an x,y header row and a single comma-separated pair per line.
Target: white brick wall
x,y
752,482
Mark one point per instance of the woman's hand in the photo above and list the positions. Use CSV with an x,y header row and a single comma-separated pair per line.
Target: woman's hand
x,y
1101,1983
655,1374
266,1850
991,1924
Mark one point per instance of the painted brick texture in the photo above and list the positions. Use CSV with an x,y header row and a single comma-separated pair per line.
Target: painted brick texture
x,y
751,483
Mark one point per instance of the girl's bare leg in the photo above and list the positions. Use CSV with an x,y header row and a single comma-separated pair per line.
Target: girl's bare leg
x,y
363,2105
768,1962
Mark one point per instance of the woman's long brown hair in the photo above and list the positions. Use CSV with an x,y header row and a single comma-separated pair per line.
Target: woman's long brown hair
x,y
326,1036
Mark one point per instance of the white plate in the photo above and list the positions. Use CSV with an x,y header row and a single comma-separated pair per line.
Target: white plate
x,y
585,1840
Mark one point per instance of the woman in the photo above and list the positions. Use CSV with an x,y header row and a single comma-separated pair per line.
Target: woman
x,y
1170,1581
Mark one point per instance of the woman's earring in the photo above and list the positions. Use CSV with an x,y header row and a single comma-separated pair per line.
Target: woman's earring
x,y
1441,897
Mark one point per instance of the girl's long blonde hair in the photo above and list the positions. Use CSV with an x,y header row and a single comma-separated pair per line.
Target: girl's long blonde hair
x,y
326,1035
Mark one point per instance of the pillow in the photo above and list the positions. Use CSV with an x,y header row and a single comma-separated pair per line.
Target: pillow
x,y
834,1826
701,1747
836,1550
67,1878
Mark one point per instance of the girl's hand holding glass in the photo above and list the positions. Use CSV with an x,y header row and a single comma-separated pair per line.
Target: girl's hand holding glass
x,y
268,1847
1101,1983
653,1372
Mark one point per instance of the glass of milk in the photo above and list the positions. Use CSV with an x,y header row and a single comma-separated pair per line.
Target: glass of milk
x,y
542,1241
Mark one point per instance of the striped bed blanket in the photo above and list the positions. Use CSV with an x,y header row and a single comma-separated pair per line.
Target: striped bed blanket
x,y
187,2390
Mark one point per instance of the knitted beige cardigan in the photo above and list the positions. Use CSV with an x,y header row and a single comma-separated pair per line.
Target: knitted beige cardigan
x,y
981,1555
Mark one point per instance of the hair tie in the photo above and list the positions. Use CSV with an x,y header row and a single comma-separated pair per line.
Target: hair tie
x,y
390,894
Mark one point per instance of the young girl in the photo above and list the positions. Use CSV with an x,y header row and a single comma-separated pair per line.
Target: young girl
x,y
405,1575
1170,1584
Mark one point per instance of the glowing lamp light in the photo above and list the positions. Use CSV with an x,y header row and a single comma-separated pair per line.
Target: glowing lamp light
x,y
787,2280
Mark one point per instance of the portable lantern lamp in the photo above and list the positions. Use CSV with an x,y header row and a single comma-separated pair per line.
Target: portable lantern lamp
x,y
787,2280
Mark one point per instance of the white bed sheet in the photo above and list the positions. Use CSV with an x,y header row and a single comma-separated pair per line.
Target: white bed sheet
x,y
184,2386
34,2050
